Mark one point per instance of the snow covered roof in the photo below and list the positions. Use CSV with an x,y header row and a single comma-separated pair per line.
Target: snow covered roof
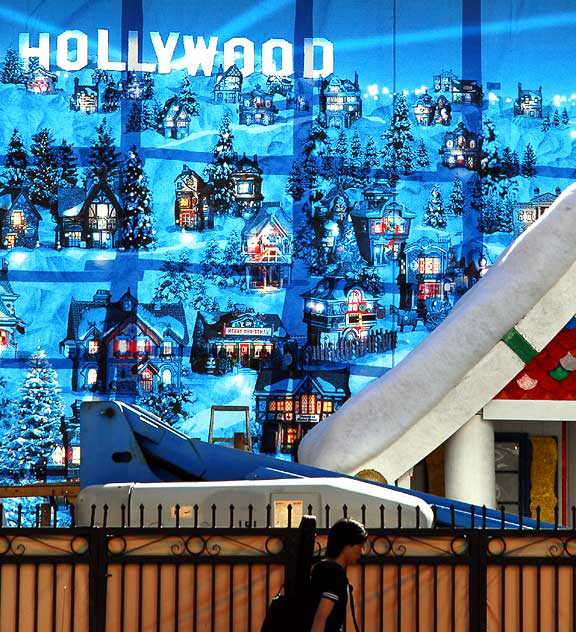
x,y
214,323
245,165
268,214
334,288
12,197
330,382
166,319
70,201
541,199
528,294
344,85
425,99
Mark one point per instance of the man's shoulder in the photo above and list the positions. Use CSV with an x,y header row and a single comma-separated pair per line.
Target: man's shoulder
x,y
328,567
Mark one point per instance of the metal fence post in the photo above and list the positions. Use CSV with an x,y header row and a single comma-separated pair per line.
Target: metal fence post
x,y
98,577
477,589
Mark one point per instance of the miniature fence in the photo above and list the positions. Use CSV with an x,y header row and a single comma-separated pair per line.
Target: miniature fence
x,y
216,580
345,350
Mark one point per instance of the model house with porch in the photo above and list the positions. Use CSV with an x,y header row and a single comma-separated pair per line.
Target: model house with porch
x,y
247,179
381,225
337,309
340,101
239,339
529,212
39,80
176,120
19,219
290,403
528,102
267,247
495,412
257,108
125,348
461,148
426,264
10,324
88,220
84,98
193,205
228,86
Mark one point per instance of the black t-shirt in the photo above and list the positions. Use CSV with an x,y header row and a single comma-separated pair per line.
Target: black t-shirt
x,y
328,579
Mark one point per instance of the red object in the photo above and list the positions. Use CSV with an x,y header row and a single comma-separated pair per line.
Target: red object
x,y
534,380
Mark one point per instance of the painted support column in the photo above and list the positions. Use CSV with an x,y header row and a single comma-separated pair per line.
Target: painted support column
x,y
469,463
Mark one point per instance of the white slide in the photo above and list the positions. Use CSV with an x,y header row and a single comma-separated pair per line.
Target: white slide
x,y
525,298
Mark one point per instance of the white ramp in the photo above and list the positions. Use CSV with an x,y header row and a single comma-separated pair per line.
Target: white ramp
x,y
526,297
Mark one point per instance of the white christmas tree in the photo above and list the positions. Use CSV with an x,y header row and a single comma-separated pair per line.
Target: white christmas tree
x,y
435,215
138,230
29,442
220,170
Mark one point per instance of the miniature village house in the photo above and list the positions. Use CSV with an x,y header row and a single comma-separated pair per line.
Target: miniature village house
x,y
192,209
239,338
443,81
267,247
247,179
276,84
228,85
39,80
460,149
10,324
88,221
426,264
466,91
336,309
84,98
289,403
137,86
125,347
529,212
176,121
424,109
257,108
381,225
340,101
19,219
528,103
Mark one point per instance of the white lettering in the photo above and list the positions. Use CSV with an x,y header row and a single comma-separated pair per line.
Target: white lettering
x,y
199,55
268,64
104,62
310,43
133,55
42,51
164,52
230,54
63,50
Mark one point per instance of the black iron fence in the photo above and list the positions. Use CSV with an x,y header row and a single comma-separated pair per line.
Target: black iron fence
x,y
132,579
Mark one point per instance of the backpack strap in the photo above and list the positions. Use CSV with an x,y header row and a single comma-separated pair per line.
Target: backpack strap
x,y
351,593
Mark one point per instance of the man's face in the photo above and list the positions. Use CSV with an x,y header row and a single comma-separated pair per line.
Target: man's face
x,y
354,552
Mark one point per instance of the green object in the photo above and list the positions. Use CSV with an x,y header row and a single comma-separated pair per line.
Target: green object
x,y
521,347
559,373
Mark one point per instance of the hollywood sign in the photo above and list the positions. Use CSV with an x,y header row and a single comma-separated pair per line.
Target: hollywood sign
x,y
276,55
